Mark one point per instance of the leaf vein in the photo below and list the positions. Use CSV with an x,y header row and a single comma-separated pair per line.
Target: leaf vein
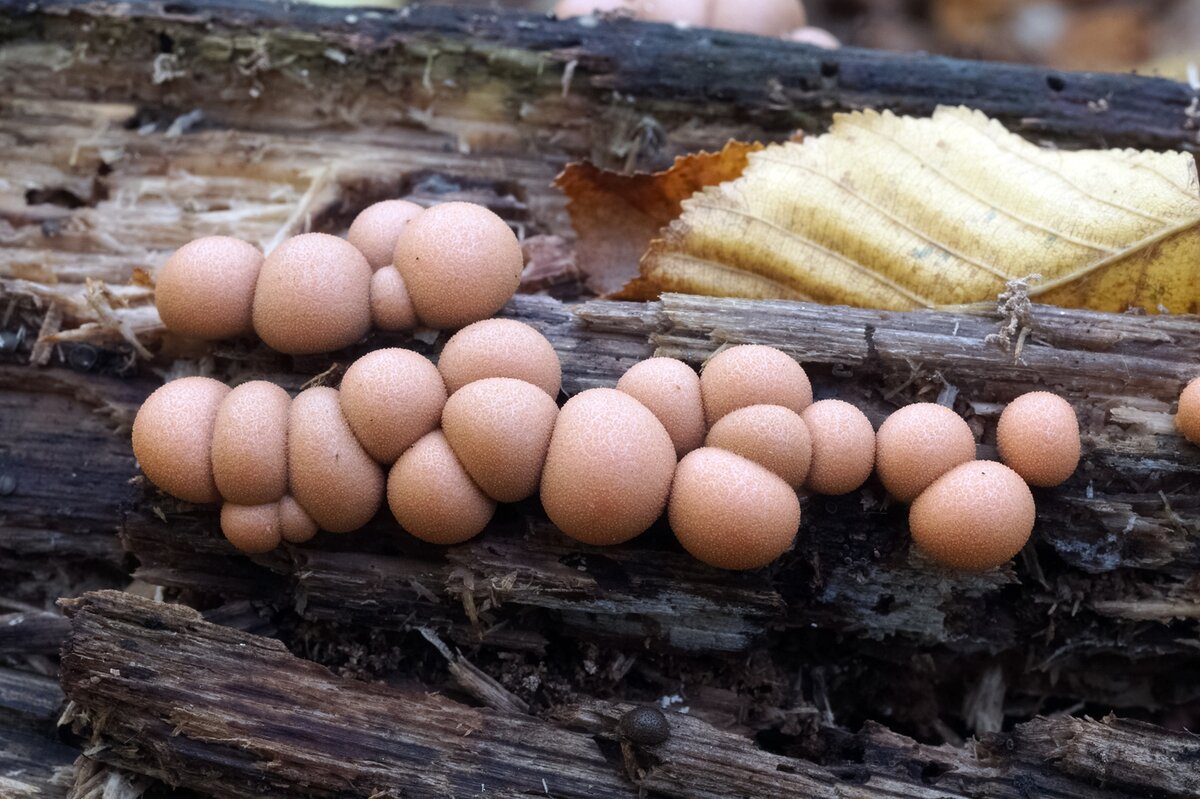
x,y
833,254
994,206
921,234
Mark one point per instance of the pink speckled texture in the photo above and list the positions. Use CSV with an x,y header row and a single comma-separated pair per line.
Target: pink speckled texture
x,y
332,476
172,437
1188,417
671,390
206,288
375,230
313,295
608,469
565,9
690,12
500,348
461,263
249,446
500,430
751,374
1038,438
770,435
919,443
433,497
295,525
730,512
843,447
975,517
253,529
391,398
391,307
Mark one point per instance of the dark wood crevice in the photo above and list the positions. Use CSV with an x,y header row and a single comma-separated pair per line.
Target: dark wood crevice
x,y
159,689
642,84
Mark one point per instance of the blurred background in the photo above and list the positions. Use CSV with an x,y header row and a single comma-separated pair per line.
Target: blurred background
x,y
1114,35
1151,36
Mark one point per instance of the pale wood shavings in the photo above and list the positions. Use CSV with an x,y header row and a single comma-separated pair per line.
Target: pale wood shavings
x,y
43,348
95,780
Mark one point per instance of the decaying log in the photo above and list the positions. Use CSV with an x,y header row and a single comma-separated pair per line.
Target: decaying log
x,y
28,699
231,714
32,633
617,90
65,464
33,766
126,125
1109,579
129,128
1046,757
1107,586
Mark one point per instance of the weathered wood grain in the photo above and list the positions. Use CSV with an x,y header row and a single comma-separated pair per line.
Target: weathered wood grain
x,y
230,714
1112,551
620,91
33,766
129,128
28,699
32,633
1107,583
157,688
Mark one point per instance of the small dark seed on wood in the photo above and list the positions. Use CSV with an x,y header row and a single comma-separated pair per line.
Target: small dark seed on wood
x,y
646,726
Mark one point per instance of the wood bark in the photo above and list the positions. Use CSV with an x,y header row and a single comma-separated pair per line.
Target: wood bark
x,y
1110,571
32,633
229,713
33,763
549,79
130,128
33,766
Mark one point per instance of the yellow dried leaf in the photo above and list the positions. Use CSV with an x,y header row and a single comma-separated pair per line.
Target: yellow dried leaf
x,y
899,213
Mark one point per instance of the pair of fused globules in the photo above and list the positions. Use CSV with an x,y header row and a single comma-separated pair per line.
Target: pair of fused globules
x,y
402,267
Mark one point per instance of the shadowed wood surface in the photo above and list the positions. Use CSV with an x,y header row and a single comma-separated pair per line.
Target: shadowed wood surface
x,y
1110,569
618,89
131,128
1105,589
155,686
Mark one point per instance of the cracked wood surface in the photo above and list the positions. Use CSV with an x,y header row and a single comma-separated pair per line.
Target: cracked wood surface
x,y
158,689
505,80
1108,579
131,128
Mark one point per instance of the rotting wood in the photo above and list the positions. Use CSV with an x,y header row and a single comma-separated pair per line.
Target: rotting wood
x,y
1043,757
304,116
32,633
499,80
33,766
64,472
158,689
115,149
29,699
294,727
1109,578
